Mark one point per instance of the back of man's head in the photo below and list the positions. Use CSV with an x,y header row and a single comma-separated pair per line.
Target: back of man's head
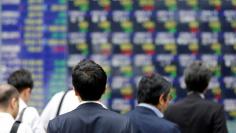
x,y
197,76
7,93
21,79
89,80
151,87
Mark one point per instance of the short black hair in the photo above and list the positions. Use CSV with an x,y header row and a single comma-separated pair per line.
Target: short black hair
x,y
197,76
89,79
21,79
7,92
151,87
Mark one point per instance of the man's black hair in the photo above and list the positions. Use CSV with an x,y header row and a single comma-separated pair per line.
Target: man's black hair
x,y
21,79
197,76
89,79
151,87
7,92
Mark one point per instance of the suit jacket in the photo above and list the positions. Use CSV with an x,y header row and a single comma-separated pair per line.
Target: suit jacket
x,y
194,114
145,120
90,118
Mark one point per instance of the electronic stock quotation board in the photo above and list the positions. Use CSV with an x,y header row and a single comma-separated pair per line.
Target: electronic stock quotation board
x,y
127,37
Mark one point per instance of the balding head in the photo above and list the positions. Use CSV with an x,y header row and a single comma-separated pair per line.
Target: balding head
x,y
7,92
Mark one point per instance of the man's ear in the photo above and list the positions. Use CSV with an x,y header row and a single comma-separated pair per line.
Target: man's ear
x,y
29,90
162,99
14,106
13,103
77,94
25,92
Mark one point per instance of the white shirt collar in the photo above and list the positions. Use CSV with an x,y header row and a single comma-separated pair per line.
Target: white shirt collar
x,y
154,109
200,94
22,105
97,102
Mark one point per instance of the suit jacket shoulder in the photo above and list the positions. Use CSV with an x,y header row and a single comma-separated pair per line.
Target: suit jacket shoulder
x,y
194,114
146,121
89,118
194,103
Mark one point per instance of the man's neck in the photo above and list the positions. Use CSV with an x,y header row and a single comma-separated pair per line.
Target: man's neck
x,y
5,111
159,108
23,98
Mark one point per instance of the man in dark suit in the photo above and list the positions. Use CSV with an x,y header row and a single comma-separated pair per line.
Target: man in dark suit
x,y
195,114
91,116
153,98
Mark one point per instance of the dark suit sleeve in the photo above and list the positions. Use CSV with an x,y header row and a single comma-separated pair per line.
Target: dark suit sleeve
x,y
52,127
219,121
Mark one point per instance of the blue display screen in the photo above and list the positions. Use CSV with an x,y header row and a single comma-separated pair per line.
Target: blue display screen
x,y
127,37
